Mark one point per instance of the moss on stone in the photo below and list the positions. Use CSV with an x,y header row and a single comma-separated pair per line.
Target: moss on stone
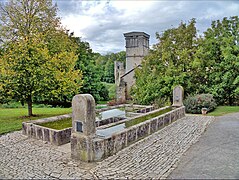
x,y
58,125
145,118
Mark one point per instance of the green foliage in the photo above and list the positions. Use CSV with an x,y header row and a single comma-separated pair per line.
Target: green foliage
x,y
194,104
218,59
167,65
12,105
91,73
106,65
111,88
38,57
206,64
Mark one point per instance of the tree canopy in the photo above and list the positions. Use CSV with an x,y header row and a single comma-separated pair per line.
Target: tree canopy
x,y
38,57
169,63
106,65
206,64
218,59
86,62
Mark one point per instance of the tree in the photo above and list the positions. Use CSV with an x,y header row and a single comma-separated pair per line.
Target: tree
x,y
38,56
218,58
106,65
91,72
167,65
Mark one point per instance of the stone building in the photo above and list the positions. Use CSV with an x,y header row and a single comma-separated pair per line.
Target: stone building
x,y
137,46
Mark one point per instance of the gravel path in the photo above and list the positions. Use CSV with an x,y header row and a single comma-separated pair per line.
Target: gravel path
x,y
153,157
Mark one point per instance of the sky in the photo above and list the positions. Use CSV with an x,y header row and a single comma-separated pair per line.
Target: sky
x,y
103,23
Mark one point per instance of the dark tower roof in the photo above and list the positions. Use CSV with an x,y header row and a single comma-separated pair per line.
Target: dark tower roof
x,y
134,33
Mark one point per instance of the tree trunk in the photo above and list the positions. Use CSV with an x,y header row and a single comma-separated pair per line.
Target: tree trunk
x,y
29,104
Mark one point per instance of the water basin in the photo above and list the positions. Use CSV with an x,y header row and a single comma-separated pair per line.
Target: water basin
x,y
109,131
111,113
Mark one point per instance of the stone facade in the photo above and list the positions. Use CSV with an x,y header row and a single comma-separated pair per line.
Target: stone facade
x,y
137,46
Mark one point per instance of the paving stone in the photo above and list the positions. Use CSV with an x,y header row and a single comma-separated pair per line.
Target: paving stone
x,y
153,157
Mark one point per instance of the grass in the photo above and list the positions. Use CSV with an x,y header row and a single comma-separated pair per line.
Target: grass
x,y
145,118
222,110
58,125
11,118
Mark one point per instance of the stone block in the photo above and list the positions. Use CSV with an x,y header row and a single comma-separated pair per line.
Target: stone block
x,y
99,149
153,125
46,136
120,141
131,135
143,130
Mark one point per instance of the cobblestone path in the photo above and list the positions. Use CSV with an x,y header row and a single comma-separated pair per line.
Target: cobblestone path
x,y
153,157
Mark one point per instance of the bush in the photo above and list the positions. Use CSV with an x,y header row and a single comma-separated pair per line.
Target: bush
x,y
194,104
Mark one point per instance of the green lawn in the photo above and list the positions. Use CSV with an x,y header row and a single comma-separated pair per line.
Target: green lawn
x,y
11,118
222,110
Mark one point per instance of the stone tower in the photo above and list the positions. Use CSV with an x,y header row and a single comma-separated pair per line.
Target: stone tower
x,y
137,46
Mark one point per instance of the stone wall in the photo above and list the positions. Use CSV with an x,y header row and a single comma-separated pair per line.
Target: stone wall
x,y
108,146
33,129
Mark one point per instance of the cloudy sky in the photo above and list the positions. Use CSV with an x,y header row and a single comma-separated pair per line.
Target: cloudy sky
x,y
102,23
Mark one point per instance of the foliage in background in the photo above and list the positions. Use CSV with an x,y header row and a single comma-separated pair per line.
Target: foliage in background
x,y
111,88
218,61
206,64
38,58
167,65
194,104
106,65
91,73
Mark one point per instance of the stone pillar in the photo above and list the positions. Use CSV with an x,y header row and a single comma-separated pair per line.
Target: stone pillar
x,y
178,93
83,127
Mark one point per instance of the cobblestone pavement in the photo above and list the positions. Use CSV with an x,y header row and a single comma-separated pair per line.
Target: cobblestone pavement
x,y
152,157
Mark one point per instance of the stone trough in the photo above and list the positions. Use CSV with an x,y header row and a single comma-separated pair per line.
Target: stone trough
x,y
34,129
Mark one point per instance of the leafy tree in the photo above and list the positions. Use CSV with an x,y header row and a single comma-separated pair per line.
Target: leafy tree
x,y
218,58
91,73
168,64
38,58
106,65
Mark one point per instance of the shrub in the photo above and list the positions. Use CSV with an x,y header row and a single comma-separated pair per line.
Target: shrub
x,y
194,104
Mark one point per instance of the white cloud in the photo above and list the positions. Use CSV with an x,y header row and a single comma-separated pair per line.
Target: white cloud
x,y
102,23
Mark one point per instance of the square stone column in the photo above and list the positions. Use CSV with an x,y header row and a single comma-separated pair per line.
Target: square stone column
x,y
83,127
